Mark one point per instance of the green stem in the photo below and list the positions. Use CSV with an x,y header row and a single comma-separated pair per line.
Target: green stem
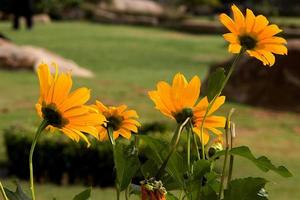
x,y
127,192
218,94
113,144
3,191
174,142
42,126
231,160
195,141
189,150
227,129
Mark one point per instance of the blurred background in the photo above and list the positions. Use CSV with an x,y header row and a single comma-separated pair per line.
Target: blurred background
x,y
121,49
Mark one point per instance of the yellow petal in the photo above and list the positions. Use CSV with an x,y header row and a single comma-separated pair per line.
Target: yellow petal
x,y
131,121
215,131
45,79
269,31
178,87
261,23
101,106
234,48
191,92
275,48
239,18
130,127
125,133
71,134
204,136
228,23
273,40
232,38
215,121
258,56
250,20
268,56
218,102
76,98
62,88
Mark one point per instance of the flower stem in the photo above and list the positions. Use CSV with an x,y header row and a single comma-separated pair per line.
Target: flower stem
x,y
42,126
231,160
174,142
195,141
3,191
113,144
188,135
227,129
217,95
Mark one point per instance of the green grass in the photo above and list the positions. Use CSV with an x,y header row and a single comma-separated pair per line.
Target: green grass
x,y
127,62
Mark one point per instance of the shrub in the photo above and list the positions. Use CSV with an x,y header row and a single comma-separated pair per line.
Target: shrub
x,y
62,161
59,160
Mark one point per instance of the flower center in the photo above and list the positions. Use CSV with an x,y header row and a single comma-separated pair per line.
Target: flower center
x,y
114,122
247,42
53,117
183,115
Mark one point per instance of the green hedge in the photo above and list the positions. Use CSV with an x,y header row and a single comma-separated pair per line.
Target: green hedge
x,y
58,159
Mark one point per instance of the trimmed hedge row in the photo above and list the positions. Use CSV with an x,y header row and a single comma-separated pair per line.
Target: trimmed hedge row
x,y
59,160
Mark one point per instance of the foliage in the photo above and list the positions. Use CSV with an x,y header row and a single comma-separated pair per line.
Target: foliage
x,y
60,160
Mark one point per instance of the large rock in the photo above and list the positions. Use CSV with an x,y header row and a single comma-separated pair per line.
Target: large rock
x,y
15,57
145,7
276,87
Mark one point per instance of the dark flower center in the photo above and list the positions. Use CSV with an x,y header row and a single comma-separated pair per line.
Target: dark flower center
x,y
114,122
183,115
247,42
53,117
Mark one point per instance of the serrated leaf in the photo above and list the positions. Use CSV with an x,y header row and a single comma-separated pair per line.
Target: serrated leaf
x,y
18,194
261,162
245,189
84,195
215,83
127,164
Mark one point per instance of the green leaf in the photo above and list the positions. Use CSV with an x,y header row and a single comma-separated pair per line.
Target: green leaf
x,y
215,83
261,162
127,164
84,195
18,194
158,151
201,167
207,192
171,196
246,189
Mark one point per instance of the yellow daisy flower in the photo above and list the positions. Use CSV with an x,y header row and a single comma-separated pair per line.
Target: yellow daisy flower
x,y
212,122
177,100
254,34
63,110
122,121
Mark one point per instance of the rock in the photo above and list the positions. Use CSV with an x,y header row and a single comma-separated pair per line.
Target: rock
x,y
145,7
42,18
14,57
276,87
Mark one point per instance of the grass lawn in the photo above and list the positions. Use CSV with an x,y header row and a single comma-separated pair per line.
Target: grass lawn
x,y
127,62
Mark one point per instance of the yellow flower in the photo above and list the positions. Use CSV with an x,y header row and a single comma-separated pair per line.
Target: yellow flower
x,y
122,121
212,122
177,100
254,34
63,110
